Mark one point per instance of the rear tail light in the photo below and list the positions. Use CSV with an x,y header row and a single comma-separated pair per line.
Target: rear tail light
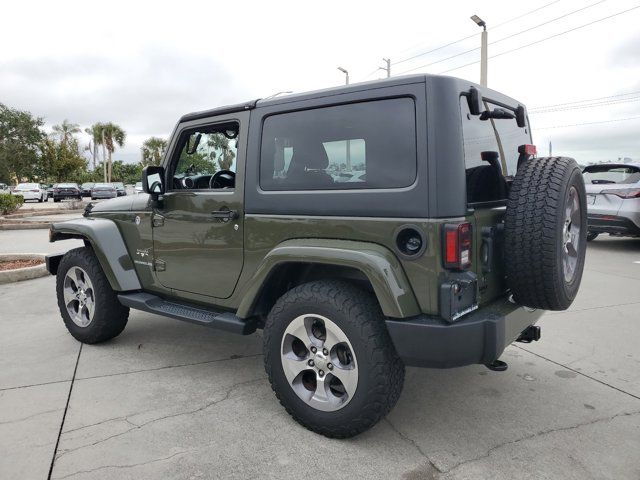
x,y
34,191
528,149
457,246
624,193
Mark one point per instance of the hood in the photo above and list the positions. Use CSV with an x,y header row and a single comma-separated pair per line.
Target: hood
x,y
123,204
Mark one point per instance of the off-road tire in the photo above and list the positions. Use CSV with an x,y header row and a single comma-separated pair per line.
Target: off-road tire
x,y
592,236
534,225
381,371
110,316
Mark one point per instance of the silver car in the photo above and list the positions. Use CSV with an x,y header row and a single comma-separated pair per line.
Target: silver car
x,y
613,199
103,190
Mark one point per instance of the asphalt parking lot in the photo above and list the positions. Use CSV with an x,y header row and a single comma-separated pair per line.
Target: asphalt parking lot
x,y
172,400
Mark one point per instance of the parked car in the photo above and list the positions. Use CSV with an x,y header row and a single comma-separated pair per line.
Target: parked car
x,y
103,190
120,190
63,191
435,259
138,187
5,188
31,191
86,188
613,199
49,188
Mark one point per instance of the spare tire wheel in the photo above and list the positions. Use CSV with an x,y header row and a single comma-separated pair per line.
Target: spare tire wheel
x,y
546,233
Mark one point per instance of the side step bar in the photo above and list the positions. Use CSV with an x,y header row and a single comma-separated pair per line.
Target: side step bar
x,y
223,320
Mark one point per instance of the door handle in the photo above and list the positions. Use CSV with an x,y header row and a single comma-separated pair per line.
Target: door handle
x,y
225,215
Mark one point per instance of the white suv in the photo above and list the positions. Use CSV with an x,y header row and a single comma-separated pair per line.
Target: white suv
x,y
613,199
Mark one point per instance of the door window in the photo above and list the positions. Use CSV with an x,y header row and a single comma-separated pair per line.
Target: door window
x,y
206,158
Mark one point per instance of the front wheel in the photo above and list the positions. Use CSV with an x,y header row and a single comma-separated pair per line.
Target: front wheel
x,y
89,306
330,360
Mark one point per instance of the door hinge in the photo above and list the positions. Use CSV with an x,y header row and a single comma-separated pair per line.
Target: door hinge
x,y
159,265
158,220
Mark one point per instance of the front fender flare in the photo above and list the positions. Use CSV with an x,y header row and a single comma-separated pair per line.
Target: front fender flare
x,y
379,264
107,243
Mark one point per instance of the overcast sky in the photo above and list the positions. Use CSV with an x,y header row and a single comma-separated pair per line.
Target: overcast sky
x,y
144,64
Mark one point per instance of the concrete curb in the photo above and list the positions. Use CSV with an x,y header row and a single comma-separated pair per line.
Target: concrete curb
x,y
20,274
25,226
40,213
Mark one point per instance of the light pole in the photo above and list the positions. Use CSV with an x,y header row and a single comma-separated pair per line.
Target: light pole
x,y
346,73
483,50
387,69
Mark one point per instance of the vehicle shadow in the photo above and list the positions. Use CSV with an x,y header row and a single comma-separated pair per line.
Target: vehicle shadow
x,y
607,242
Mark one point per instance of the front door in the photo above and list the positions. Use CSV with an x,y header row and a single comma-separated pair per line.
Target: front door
x,y
198,224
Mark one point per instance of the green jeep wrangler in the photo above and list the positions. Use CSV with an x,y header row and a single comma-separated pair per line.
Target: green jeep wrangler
x,y
363,228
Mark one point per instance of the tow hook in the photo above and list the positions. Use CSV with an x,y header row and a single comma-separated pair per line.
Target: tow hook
x,y
530,334
497,366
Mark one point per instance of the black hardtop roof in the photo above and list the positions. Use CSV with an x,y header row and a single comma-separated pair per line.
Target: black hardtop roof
x,y
462,85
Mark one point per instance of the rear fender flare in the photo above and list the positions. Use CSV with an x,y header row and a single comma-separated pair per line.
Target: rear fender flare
x,y
379,264
107,243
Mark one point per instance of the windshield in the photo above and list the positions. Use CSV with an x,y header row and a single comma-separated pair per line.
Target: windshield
x,y
603,174
103,185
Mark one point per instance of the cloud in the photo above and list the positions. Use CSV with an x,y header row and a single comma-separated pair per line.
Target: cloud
x,y
626,55
145,92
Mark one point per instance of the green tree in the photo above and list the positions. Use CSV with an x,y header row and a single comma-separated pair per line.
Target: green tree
x,y
129,173
61,161
20,141
220,150
66,130
152,151
112,136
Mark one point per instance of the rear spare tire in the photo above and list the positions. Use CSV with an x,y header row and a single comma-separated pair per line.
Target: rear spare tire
x,y
546,233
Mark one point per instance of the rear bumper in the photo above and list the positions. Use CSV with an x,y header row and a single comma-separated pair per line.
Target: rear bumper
x,y
61,195
612,224
29,195
479,337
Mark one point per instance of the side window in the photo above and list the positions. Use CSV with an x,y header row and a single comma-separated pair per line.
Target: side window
x,y
206,158
484,180
361,145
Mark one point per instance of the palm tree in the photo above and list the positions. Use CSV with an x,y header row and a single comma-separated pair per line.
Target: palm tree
x,y
152,150
95,132
66,130
112,135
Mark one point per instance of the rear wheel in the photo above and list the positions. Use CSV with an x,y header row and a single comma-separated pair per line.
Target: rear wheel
x,y
545,233
592,236
89,306
330,359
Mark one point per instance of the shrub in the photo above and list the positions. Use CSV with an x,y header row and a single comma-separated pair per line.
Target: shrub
x,y
10,203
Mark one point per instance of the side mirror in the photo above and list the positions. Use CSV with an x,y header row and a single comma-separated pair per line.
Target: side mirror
x,y
153,180
475,101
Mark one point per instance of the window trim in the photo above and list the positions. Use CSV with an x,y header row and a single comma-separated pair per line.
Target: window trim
x,y
414,181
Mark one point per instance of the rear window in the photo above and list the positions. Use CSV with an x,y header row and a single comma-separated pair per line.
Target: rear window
x,y
356,146
67,185
602,174
500,136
